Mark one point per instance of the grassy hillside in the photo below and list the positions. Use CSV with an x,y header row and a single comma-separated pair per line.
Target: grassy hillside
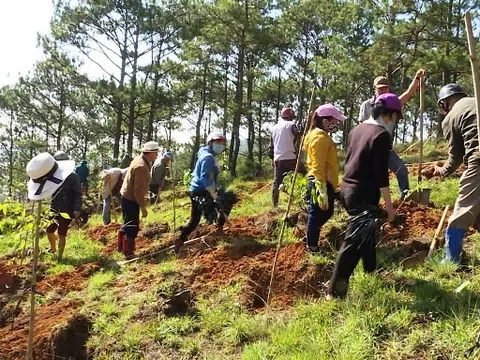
x,y
209,303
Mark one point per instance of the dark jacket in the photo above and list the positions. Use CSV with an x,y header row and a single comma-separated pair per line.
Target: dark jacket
x,y
82,171
460,130
68,198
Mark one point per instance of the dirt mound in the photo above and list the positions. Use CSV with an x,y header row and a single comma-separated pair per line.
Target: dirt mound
x,y
50,319
68,281
295,276
415,234
153,231
103,233
9,282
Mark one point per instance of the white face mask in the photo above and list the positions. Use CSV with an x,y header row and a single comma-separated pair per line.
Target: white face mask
x,y
218,148
389,126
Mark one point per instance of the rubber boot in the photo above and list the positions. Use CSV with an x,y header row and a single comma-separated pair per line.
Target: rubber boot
x,y
275,197
453,244
129,247
120,241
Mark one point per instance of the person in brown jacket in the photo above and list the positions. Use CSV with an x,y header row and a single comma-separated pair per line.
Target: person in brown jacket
x,y
134,194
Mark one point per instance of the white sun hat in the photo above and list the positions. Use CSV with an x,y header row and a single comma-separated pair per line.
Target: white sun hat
x,y
150,146
215,136
47,175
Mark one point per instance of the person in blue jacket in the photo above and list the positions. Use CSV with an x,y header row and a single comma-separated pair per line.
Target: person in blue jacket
x,y
82,171
203,184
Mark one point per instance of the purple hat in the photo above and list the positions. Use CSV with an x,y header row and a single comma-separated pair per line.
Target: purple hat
x,y
390,101
328,110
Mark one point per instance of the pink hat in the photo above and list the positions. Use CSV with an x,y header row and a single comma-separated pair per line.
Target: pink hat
x,y
328,110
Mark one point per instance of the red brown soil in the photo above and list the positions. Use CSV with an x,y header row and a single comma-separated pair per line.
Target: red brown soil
x,y
13,342
252,262
68,281
103,233
417,231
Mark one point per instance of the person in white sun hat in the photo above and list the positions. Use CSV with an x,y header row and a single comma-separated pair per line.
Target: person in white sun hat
x,y
55,177
134,192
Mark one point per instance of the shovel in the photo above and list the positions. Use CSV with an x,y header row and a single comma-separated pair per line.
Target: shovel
x,y
420,195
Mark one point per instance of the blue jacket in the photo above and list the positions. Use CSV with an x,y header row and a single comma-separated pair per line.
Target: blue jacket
x,y
82,171
206,170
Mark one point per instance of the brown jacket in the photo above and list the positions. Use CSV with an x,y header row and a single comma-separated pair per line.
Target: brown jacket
x,y
137,179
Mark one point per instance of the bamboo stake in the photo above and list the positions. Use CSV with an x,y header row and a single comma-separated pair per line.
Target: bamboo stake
x,y
437,233
474,63
420,162
34,281
290,198
173,198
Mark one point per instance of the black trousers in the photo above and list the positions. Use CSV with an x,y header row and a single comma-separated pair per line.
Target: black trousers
x,y
351,251
131,218
196,215
281,167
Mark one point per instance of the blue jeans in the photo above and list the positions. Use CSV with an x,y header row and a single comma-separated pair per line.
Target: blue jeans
x,y
107,205
396,165
316,216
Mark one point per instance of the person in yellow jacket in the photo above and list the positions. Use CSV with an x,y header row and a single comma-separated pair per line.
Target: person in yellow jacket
x,y
322,166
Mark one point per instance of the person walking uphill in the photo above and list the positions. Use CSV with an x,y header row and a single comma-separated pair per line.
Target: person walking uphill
x,y
134,197
55,176
82,171
382,86
282,150
460,130
365,179
322,165
203,185
160,170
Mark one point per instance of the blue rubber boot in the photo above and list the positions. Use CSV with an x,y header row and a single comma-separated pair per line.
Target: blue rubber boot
x,y
453,244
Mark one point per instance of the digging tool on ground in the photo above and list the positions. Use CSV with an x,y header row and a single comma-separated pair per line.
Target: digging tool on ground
x,y
290,199
419,195
433,245
474,61
152,254
34,281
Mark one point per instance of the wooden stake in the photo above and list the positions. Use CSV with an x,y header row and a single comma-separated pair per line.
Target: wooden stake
x,y
474,63
437,233
420,162
290,199
34,281
173,198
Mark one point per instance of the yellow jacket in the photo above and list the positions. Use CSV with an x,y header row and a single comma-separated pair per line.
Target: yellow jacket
x,y
322,160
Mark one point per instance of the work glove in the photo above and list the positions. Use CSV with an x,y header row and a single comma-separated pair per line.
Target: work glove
x,y
319,194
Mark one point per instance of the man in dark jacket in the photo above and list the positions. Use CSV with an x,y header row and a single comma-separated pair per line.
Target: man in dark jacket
x,y
66,204
460,129
159,172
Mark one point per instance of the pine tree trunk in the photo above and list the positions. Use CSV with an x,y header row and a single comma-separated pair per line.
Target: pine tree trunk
x,y
225,98
259,141
133,95
153,107
235,144
201,112
251,125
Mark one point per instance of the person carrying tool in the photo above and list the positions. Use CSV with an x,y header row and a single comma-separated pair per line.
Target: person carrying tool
x,y
282,151
203,187
112,183
66,202
160,170
134,192
381,86
82,171
364,181
460,130
322,165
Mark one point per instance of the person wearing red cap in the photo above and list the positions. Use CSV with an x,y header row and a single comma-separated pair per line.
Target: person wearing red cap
x,y
381,86
322,165
282,151
364,181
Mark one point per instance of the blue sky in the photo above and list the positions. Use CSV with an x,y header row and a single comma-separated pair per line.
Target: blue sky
x,y
20,21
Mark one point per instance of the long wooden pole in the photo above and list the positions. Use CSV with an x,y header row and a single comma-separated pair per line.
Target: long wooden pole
x,y
34,281
290,200
433,245
474,61
173,198
420,162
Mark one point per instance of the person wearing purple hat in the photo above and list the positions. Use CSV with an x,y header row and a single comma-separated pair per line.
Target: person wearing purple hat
x,y
364,181
322,165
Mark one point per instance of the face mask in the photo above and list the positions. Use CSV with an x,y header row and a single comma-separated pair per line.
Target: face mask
x,y
330,125
390,126
218,148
